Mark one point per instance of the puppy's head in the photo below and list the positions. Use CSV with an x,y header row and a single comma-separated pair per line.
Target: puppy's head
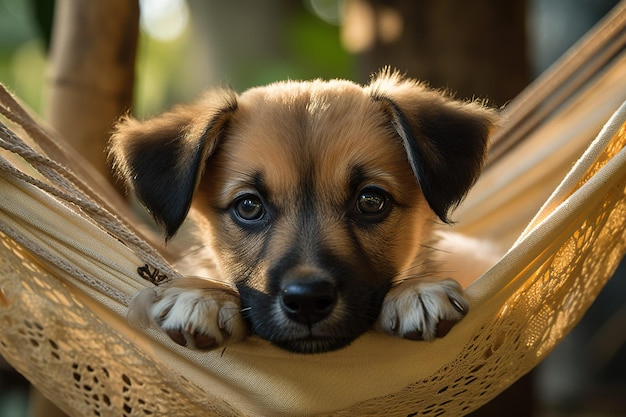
x,y
317,195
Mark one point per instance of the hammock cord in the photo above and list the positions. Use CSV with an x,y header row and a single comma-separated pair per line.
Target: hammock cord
x,y
79,351
578,66
64,185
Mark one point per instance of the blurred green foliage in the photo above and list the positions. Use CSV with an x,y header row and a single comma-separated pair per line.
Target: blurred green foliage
x,y
22,52
312,50
315,48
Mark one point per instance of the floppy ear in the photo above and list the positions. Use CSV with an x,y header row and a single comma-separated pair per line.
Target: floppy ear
x,y
162,158
445,140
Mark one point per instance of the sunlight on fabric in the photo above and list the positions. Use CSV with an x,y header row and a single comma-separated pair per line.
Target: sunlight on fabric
x,y
64,323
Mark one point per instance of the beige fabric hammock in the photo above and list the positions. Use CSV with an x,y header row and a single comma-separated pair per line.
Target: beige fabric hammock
x,y
68,268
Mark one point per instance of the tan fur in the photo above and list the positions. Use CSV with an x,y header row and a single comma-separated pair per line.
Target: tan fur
x,y
260,140
309,154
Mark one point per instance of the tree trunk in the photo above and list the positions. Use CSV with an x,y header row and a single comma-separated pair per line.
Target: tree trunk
x,y
92,61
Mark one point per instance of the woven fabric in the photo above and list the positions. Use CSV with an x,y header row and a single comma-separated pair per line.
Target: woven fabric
x,y
65,283
69,266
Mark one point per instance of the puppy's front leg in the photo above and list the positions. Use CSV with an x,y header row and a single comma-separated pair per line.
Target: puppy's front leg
x,y
194,312
422,309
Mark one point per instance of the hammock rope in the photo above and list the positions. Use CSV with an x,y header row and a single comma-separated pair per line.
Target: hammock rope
x,y
590,56
63,184
520,309
68,268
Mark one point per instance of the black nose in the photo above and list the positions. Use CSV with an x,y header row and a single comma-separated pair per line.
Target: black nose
x,y
308,301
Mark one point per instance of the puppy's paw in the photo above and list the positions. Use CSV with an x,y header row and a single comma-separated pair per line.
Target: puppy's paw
x,y
422,310
194,312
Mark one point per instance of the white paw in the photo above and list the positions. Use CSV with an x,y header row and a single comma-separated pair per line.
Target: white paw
x,y
194,312
422,310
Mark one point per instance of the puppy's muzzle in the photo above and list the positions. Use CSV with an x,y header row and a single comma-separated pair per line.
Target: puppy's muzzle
x,y
308,300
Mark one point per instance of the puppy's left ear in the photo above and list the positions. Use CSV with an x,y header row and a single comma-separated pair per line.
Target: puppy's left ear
x,y
445,140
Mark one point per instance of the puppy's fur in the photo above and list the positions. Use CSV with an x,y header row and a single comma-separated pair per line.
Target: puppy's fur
x,y
318,200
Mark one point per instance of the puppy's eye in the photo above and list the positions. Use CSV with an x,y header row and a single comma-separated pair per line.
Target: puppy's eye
x,y
373,204
370,203
249,208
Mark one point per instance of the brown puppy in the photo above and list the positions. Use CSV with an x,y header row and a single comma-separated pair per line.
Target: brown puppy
x,y
318,201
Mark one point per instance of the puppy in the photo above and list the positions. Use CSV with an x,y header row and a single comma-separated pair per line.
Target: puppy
x,y
318,201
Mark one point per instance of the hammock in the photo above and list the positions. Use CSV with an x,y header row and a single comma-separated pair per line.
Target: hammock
x,y
69,267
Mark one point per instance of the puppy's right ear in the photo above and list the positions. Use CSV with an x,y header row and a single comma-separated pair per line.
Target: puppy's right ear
x,y
162,159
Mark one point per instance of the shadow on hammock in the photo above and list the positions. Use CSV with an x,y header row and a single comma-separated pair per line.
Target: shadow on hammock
x,y
68,267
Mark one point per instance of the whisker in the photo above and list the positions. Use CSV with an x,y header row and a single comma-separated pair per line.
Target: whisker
x,y
433,248
425,267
